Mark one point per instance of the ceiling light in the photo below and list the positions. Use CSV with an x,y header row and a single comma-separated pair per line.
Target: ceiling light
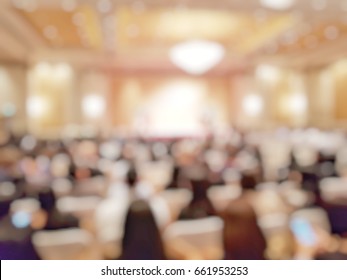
x,y
268,73
277,4
93,106
298,103
252,105
37,106
197,57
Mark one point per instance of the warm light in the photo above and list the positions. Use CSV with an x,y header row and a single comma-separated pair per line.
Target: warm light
x,y
197,57
93,106
298,103
252,105
37,106
277,4
267,73
63,71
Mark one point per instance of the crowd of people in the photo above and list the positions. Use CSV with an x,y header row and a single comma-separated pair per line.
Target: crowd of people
x,y
258,195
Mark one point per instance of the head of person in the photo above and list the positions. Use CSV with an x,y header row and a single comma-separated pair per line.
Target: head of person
x,y
141,240
47,199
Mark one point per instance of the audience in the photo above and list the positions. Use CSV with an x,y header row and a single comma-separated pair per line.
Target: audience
x,y
146,177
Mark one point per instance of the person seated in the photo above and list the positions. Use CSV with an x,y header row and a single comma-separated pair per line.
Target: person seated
x,y
142,239
200,206
55,219
243,239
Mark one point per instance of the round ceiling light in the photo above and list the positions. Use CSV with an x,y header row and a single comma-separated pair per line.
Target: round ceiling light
x,y
196,57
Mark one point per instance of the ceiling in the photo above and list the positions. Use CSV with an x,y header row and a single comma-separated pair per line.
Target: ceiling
x,y
136,35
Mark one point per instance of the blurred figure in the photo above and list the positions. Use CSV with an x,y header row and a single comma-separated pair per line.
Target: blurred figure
x,y
55,219
200,206
142,240
243,239
17,229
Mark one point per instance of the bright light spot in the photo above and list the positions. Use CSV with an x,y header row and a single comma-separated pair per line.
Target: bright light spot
x,y
197,57
63,71
21,219
93,106
252,105
268,73
37,106
43,70
277,4
298,103
175,110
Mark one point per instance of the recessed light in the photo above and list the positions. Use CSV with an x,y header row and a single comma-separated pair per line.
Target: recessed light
x,y
277,4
